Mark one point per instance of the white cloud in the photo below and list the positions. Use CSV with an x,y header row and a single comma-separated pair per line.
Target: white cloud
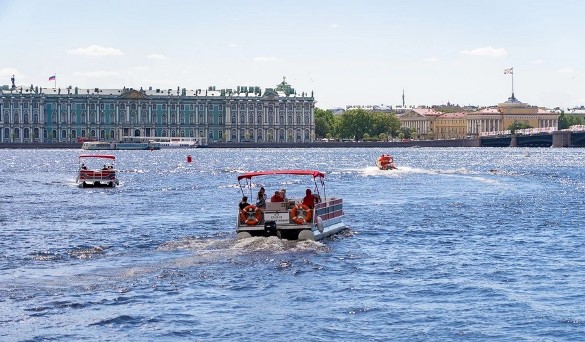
x,y
156,56
265,59
566,70
537,61
431,59
100,73
96,50
486,51
233,45
140,68
334,26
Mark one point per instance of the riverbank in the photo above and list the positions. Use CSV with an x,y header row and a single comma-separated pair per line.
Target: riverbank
x,y
393,144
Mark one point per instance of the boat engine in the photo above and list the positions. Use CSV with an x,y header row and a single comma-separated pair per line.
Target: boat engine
x,y
269,228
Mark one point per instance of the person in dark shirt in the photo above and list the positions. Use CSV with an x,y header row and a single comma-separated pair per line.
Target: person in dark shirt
x,y
261,198
244,202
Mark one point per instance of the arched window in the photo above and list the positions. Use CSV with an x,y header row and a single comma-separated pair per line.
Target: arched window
x,y
259,135
63,135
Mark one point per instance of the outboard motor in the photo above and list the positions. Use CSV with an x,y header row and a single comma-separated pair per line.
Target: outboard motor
x,y
269,228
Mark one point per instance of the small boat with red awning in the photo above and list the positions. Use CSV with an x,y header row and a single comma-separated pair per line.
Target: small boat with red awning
x,y
90,174
311,215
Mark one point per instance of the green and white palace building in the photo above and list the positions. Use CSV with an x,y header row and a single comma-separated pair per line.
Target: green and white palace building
x,y
246,114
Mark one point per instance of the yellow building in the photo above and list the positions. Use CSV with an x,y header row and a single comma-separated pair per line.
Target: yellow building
x,y
499,119
450,126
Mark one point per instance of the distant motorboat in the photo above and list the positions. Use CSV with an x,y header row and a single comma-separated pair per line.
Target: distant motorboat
x,y
385,162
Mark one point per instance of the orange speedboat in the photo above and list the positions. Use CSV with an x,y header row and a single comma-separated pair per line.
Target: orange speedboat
x,y
385,162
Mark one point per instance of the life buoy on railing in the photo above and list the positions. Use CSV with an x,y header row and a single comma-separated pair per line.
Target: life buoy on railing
x,y
301,219
251,220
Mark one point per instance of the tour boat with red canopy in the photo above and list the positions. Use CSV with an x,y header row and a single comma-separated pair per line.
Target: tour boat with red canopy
x,y
312,217
90,174
385,162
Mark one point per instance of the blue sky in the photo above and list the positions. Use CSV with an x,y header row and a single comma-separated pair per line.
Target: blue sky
x,y
347,52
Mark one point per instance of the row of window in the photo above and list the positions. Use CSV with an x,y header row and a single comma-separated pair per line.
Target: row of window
x,y
145,106
71,135
146,119
111,106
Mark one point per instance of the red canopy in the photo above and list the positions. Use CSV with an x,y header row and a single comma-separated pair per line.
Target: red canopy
x,y
106,156
313,173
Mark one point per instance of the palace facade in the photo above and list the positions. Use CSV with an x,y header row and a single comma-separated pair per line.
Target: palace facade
x,y
431,124
245,114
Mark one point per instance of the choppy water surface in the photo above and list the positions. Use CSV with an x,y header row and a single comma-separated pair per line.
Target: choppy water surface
x,y
457,244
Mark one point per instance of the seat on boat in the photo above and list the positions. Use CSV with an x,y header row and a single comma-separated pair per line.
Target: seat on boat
x,y
275,206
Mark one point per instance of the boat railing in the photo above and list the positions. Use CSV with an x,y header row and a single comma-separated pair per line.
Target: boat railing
x,y
97,174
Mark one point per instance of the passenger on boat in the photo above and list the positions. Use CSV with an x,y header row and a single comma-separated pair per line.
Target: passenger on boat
x,y
244,202
105,168
309,200
283,194
261,198
83,167
277,197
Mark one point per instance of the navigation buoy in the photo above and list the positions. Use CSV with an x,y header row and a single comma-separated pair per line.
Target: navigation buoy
x,y
189,159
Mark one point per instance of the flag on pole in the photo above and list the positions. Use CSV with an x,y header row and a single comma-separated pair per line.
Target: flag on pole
x,y
52,78
509,71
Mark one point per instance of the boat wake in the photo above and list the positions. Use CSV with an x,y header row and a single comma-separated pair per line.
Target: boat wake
x,y
233,247
405,170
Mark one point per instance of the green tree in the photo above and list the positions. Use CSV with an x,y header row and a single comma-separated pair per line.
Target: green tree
x,y
384,123
323,122
404,133
518,125
566,121
354,123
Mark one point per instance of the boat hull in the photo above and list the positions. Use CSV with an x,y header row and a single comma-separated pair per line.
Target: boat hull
x,y
94,146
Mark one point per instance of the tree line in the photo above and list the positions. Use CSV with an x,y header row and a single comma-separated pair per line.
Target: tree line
x,y
358,124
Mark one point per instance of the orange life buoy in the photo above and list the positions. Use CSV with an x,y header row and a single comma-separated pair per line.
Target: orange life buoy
x,y
302,219
251,220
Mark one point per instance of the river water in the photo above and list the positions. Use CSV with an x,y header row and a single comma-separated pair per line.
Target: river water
x,y
457,244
